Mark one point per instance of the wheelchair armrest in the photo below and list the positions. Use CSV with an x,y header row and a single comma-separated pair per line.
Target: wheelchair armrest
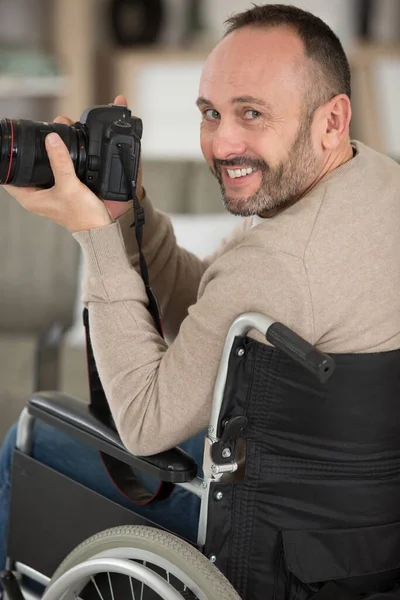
x,y
76,418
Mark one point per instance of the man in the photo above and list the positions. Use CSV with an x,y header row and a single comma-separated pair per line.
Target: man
x,y
318,249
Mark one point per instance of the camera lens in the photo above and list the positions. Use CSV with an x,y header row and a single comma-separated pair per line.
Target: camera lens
x,y
23,156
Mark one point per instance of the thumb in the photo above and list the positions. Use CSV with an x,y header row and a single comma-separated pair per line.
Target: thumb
x,y
121,100
60,160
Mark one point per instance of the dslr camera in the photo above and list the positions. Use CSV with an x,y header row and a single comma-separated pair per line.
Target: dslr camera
x,y
104,147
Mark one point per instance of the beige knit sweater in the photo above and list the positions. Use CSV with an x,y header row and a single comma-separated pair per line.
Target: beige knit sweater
x,y
328,267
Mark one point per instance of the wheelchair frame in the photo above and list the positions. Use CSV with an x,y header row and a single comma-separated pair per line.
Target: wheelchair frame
x,y
218,460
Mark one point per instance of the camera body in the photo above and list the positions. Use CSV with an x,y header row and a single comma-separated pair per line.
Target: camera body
x,y
104,147
106,129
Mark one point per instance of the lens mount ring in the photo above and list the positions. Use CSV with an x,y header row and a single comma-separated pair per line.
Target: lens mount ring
x,y
7,138
11,152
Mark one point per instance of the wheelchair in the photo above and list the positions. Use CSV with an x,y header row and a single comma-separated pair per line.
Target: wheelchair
x,y
300,496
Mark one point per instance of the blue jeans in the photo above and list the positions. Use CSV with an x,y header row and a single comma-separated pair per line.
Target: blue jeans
x,y
179,513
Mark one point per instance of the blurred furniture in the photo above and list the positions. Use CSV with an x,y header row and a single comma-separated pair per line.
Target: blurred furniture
x,y
376,96
46,58
38,283
136,22
171,126
74,38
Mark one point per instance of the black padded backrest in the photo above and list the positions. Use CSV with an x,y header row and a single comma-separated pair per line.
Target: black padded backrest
x,y
358,405
320,497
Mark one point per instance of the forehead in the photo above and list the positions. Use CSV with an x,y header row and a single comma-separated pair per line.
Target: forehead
x,y
256,62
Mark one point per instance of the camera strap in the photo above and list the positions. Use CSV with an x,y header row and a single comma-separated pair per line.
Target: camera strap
x,y
138,223
122,475
124,478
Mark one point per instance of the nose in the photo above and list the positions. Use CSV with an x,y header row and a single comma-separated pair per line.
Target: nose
x,y
227,142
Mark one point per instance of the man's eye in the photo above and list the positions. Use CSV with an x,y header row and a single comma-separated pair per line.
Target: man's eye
x,y
252,114
211,114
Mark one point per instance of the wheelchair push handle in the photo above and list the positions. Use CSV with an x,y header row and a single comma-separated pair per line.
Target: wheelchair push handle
x,y
301,351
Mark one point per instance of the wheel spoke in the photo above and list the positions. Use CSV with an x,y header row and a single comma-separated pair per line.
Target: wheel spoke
x,y
97,587
142,587
110,584
132,592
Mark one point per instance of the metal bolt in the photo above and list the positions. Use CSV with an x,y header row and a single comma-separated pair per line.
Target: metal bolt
x,y
212,558
210,430
204,485
226,453
218,495
240,352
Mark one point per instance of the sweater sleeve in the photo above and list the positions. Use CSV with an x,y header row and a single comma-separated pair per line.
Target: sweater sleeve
x,y
174,272
159,395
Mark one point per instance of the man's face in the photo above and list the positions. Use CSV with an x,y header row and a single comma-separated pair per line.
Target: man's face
x,y
255,135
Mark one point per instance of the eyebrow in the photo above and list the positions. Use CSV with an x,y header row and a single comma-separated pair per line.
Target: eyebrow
x,y
239,100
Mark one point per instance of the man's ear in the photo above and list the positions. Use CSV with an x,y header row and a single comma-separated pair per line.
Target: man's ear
x,y
336,115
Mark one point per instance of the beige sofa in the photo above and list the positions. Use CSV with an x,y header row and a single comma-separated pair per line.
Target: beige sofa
x,y
38,283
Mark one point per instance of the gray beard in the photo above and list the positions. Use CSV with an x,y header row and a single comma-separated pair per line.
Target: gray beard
x,y
280,186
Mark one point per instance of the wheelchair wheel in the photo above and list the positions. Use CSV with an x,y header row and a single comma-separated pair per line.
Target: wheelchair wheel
x,y
172,562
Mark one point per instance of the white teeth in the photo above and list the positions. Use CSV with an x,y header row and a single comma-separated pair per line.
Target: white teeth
x,y
240,172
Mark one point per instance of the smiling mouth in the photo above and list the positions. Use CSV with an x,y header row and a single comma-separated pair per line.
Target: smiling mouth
x,y
240,173
235,177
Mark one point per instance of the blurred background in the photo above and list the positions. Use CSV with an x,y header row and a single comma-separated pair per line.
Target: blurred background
x,y
62,56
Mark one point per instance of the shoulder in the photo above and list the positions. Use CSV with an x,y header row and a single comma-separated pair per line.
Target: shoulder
x,y
372,167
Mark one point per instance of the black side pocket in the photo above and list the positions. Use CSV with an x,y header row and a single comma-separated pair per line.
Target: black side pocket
x,y
364,560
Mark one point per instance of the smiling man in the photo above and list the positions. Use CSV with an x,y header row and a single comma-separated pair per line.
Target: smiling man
x,y
260,90
318,248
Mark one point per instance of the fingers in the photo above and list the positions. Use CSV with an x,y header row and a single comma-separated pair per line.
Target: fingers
x,y
121,100
60,160
63,120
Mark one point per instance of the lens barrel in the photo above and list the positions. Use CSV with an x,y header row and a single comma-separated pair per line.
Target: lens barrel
x,y
23,156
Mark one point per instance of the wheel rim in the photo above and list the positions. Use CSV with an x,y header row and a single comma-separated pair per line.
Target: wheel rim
x,y
71,583
187,588
153,559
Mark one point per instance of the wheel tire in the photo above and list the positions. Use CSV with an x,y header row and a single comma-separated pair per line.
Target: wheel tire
x,y
171,548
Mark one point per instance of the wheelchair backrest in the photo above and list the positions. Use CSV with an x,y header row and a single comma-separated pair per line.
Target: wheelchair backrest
x,y
320,499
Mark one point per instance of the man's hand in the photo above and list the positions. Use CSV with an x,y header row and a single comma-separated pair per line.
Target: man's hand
x,y
69,202
116,209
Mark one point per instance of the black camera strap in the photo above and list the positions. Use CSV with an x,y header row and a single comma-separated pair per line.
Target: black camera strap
x,y
138,223
122,475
